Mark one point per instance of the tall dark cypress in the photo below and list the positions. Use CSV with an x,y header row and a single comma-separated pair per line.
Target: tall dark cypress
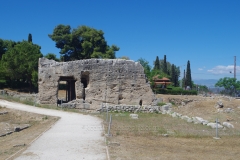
x,y
184,80
157,64
165,65
29,37
173,74
188,75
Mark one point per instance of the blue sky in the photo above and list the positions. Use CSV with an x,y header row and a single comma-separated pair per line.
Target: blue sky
x,y
205,32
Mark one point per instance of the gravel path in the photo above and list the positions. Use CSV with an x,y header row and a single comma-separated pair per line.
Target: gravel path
x,y
74,136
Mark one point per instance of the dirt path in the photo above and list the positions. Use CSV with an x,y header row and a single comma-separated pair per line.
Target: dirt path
x,y
74,136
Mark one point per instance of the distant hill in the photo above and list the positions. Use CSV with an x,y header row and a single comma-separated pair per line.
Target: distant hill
x,y
206,82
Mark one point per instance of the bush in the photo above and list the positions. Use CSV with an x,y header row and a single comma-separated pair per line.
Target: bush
x,y
161,104
175,91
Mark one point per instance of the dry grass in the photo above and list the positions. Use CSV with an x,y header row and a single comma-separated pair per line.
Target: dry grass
x,y
143,138
39,123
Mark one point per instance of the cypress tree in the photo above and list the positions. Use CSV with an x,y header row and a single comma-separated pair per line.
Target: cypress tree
x,y
173,74
165,65
184,79
29,37
188,75
157,64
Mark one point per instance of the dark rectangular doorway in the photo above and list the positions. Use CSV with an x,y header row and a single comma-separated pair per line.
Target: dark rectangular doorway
x,y
68,86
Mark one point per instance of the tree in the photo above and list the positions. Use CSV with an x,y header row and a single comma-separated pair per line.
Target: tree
x,y
15,69
51,56
172,73
30,37
184,80
188,80
146,66
2,48
175,73
229,84
81,43
165,70
6,45
157,64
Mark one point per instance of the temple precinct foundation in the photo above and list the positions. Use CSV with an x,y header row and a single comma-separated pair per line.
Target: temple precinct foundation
x,y
93,82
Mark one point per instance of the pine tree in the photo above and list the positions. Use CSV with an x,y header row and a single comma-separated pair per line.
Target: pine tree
x,y
165,65
29,37
157,64
188,75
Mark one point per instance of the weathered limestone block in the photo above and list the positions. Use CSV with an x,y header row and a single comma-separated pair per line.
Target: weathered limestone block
x,y
228,125
113,81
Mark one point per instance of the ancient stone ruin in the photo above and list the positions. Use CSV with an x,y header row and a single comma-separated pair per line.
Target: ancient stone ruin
x,y
92,82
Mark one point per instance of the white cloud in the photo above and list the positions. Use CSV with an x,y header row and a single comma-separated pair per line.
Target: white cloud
x,y
224,69
200,69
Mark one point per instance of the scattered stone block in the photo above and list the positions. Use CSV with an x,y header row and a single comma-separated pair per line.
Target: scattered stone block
x,y
228,125
229,110
219,104
4,112
165,135
134,116
19,145
214,125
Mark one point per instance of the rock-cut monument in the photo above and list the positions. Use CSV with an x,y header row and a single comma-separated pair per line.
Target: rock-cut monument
x,y
91,82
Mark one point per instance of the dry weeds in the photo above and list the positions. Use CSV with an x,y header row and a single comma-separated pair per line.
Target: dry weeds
x,y
143,138
16,141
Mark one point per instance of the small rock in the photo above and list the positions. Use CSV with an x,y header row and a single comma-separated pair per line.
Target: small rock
x,y
228,125
174,114
214,125
220,104
189,120
17,129
165,135
183,103
228,110
19,145
134,116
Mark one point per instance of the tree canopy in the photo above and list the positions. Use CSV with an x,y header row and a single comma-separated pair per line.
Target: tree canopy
x,y
20,62
51,56
229,84
146,66
81,43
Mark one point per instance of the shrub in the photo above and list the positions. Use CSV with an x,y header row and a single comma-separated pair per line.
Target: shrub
x,y
161,104
176,91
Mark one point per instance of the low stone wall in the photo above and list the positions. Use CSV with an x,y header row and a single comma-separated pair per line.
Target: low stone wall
x,y
135,108
20,95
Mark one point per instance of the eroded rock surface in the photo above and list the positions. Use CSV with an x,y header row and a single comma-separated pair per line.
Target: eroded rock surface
x,y
96,81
